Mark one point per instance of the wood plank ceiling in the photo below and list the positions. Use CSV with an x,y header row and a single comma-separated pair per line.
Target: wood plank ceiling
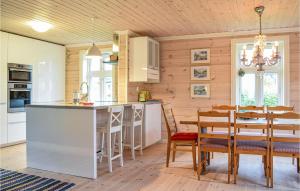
x,y
157,18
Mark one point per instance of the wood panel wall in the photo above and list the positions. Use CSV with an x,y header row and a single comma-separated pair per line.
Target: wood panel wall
x,y
175,75
73,68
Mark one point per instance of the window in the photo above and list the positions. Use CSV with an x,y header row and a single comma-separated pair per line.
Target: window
x,y
100,76
268,89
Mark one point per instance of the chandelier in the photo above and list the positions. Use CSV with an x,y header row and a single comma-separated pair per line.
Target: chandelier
x,y
258,58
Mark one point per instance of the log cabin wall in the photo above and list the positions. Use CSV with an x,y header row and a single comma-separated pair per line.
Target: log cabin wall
x,y
175,75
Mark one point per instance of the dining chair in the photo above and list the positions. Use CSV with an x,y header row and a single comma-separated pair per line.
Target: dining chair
x,y
213,141
108,133
284,145
176,139
281,109
249,108
131,125
230,108
253,143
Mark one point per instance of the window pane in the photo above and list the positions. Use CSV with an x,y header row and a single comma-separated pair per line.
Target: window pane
x,y
95,89
270,87
95,64
108,89
248,89
84,71
107,67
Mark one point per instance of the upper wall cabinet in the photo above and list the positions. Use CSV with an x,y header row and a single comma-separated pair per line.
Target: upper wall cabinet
x,y
143,60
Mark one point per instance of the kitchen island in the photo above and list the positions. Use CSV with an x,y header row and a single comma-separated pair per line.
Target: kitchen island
x,y
62,137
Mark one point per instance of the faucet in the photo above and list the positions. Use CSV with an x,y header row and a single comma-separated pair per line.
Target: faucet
x,y
84,97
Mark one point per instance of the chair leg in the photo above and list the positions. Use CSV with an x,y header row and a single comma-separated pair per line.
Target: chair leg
x,y
199,169
238,164
208,158
229,167
271,171
265,165
235,168
174,152
102,146
120,148
298,165
109,151
194,156
268,169
132,144
168,153
204,161
141,141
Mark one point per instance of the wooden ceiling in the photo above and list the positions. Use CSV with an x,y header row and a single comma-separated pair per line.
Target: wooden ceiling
x,y
157,18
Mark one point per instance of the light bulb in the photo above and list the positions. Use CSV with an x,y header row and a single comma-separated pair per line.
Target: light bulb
x,y
39,26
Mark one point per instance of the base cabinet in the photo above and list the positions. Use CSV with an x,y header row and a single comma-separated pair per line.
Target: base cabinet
x,y
152,124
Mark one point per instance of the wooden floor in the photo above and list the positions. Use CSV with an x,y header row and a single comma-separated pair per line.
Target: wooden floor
x,y
148,172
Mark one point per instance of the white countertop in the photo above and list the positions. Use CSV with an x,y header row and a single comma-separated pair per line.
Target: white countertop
x,y
96,105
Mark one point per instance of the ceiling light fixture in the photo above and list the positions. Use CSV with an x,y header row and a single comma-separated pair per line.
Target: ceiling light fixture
x,y
39,26
258,58
93,51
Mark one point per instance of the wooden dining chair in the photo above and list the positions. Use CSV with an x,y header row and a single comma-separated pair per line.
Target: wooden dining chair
x,y
230,108
249,108
213,141
284,145
282,109
188,140
253,143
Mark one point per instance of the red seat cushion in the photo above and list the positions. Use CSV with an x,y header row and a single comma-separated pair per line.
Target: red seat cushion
x,y
184,136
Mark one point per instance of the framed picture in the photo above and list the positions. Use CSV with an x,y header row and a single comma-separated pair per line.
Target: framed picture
x,y
200,73
200,56
200,91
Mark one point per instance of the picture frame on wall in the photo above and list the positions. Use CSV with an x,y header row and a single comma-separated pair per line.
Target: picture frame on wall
x,y
200,56
200,73
200,90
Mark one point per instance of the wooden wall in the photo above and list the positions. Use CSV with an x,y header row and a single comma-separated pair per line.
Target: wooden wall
x,y
73,68
175,74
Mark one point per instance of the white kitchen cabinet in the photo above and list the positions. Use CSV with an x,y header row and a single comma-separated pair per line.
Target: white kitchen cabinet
x,y
143,60
48,79
48,62
152,124
3,87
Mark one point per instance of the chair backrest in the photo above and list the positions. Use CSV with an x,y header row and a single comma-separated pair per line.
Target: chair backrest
x,y
138,114
169,119
260,109
259,123
214,119
115,118
280,108
282,122
224,108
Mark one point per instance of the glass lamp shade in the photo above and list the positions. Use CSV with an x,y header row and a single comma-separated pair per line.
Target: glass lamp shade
x,y
93,52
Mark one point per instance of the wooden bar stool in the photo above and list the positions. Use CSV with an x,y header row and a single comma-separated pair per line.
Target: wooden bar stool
x,y
135,121
108,132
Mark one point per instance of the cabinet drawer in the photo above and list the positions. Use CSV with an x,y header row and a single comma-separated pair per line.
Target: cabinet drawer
x,y
16,117
16,132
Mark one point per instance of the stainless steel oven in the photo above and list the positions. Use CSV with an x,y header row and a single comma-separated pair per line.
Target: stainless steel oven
x,y
19,73
19,94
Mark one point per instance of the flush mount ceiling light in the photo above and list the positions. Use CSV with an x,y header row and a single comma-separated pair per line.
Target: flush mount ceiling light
x,y
39,26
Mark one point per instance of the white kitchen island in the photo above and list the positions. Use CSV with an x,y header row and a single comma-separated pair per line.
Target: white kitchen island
x,y
62,137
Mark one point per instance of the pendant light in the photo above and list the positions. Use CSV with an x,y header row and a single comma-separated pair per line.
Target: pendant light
x,y
93,51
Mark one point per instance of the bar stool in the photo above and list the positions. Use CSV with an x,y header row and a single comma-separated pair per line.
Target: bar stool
x,y
112,129
130,125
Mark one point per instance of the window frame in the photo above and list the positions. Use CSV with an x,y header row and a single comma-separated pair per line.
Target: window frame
x,y
99,73
235,82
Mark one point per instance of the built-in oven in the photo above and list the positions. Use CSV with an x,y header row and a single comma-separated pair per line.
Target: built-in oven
x,y
19,73
19,95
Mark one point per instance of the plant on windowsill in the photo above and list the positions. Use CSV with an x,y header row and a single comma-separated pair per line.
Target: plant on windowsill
x,y
241,72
